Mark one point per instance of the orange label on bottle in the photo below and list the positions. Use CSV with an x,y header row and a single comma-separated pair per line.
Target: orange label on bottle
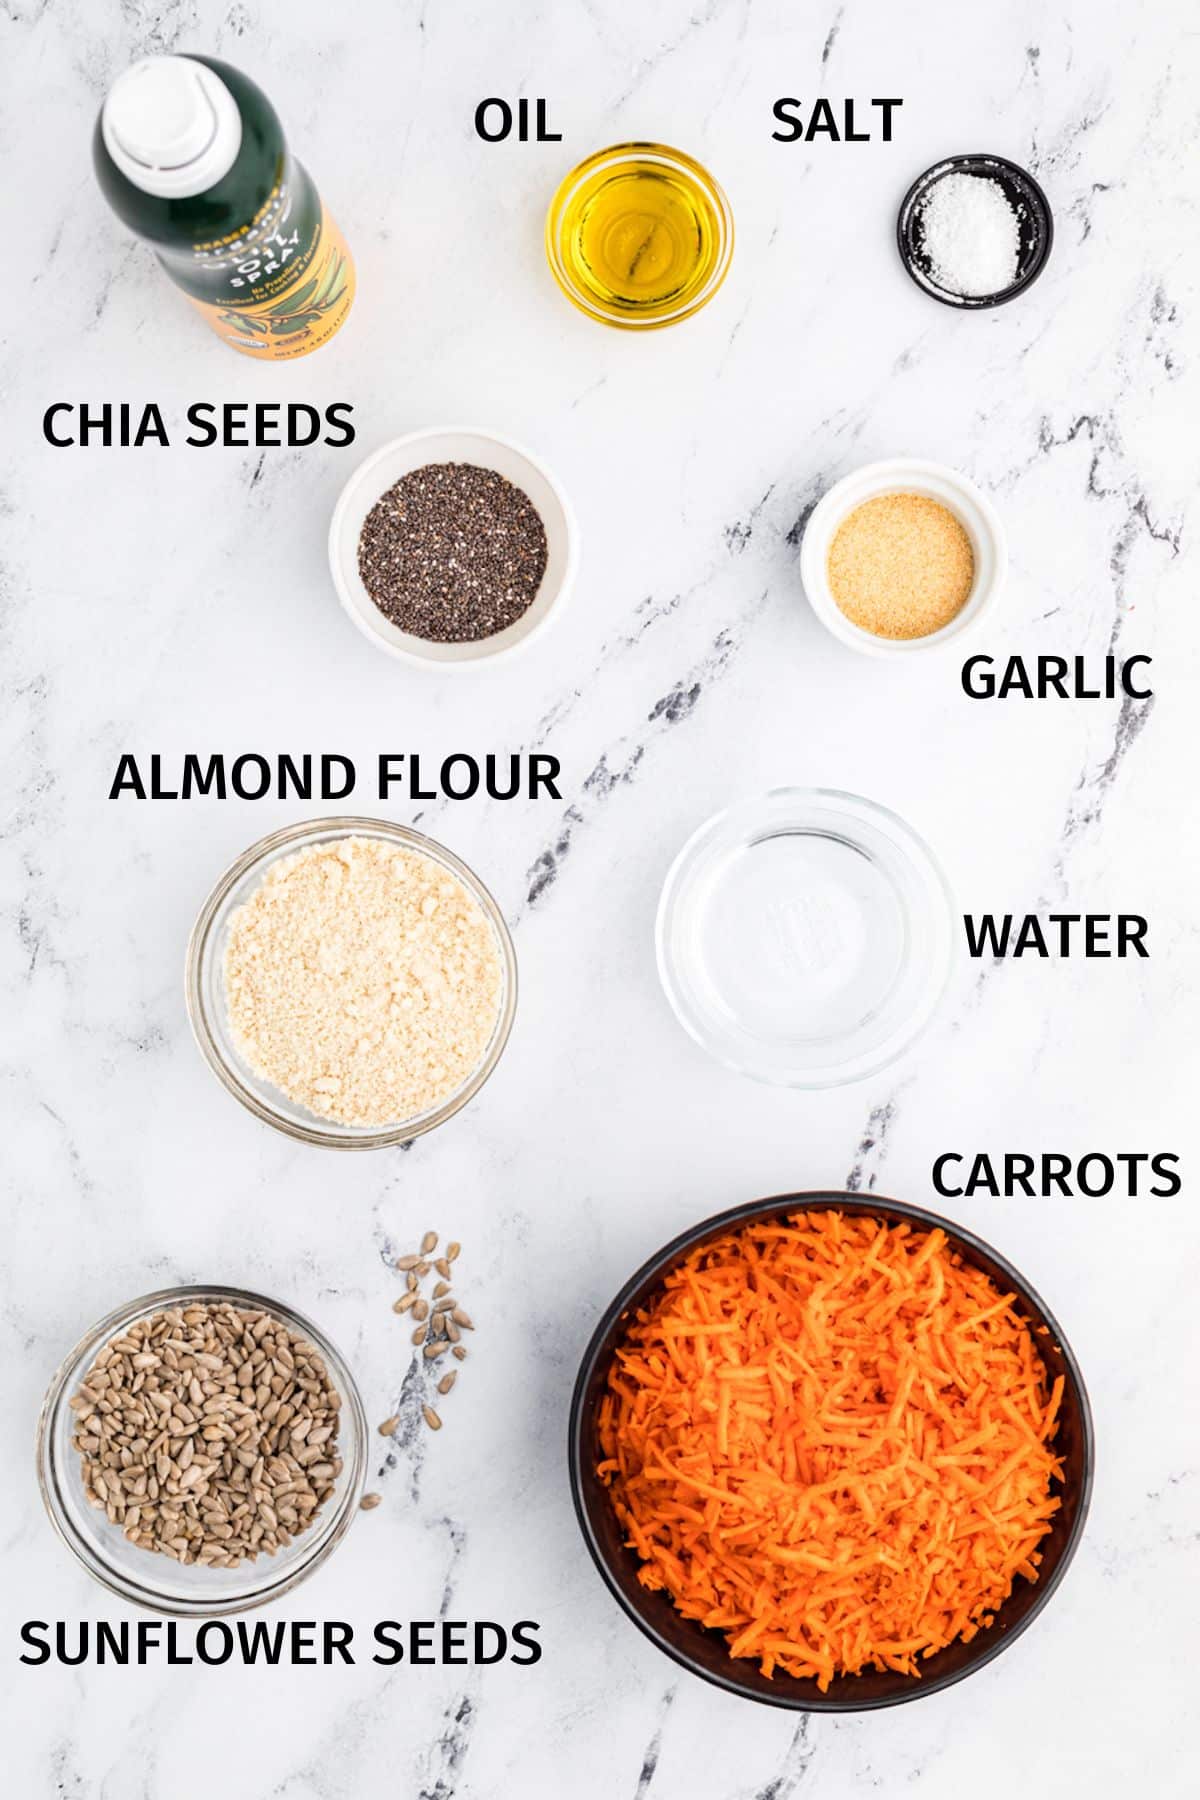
x,y
301,316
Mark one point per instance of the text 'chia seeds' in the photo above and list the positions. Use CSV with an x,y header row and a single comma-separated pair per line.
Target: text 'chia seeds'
x,y
453,553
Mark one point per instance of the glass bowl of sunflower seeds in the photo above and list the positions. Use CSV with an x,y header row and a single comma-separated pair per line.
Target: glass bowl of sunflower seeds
x,y
202,1450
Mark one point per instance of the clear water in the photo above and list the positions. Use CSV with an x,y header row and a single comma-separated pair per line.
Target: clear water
x,y
799,936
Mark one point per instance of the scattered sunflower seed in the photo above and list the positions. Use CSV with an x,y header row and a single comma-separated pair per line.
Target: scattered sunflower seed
x,y
370,1500
440,1320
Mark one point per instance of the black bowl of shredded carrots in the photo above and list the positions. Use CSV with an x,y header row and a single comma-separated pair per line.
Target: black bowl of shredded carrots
x,y
830,1453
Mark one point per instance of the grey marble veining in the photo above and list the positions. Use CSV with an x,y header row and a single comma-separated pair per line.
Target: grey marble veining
x,y
178,600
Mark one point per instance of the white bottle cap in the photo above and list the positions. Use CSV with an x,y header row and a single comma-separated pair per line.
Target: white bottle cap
x,y
171,126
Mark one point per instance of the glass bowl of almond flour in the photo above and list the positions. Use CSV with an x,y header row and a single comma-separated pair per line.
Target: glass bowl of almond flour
x,y
161,1331
351,982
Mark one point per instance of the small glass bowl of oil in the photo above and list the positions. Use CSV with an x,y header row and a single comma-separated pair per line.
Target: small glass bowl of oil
x,y
639,236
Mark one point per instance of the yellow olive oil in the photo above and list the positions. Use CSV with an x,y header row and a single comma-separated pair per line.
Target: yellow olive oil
x,y
639,235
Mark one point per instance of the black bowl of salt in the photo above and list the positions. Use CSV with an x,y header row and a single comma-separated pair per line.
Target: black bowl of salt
x,y
975,231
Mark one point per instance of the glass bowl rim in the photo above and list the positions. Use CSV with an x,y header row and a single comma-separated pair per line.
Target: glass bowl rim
x,y
820,796
670,157
50,1477
261,852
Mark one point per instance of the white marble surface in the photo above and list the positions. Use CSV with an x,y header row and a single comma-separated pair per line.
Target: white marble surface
x,y
178,600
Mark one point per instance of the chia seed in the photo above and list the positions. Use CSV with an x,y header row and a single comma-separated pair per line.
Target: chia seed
x,y
452,553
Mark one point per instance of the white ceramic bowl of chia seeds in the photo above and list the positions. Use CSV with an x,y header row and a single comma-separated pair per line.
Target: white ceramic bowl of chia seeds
x,y
482,450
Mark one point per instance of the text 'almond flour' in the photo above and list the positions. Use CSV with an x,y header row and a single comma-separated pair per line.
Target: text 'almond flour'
x,y
364,980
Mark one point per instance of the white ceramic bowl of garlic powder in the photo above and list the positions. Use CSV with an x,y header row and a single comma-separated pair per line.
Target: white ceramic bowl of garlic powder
x,y
905,475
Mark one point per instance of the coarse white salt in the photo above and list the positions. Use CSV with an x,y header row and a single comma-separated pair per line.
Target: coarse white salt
x,y
972,243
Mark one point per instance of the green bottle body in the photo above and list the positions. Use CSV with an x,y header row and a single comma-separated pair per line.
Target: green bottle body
x,y
256,252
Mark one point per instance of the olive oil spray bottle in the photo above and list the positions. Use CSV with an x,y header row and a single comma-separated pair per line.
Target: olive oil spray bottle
x,y
190,154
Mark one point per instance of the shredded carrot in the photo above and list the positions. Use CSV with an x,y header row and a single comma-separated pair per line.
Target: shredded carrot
x,y
830,1438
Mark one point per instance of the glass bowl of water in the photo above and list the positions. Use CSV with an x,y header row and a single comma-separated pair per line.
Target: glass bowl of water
x,y
805,937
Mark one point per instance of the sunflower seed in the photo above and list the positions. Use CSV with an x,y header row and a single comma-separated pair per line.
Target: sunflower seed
x,y
431,1418
463,1318
421,1310
370,1500
429,1243
208,1434
420,1334
460,1352
447,1382
452,1251
443,1268
437,1348
452,1331
407,1262
387,1429
443,1287
404,1302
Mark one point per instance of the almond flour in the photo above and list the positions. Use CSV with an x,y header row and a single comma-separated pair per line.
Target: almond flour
x,y
901,566
364,980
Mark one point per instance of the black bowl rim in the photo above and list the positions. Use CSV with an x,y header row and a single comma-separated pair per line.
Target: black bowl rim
x,y
991,1643
969,162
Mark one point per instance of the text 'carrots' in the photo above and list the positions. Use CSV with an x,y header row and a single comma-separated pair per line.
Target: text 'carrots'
x,y
830,1438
